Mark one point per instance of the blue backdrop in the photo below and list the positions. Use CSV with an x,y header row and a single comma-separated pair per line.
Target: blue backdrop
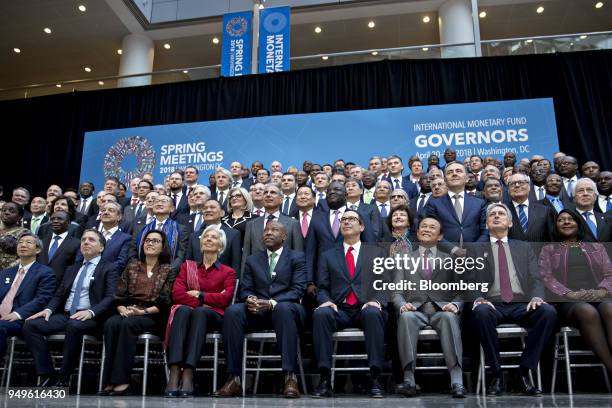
x,y
526,127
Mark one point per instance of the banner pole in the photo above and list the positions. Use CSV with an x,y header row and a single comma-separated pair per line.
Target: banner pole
x,y
255,37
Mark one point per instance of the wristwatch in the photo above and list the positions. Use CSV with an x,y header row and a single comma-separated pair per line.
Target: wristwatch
x,y
201,298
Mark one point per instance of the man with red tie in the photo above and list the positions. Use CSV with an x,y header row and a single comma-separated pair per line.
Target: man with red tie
x,y
346,300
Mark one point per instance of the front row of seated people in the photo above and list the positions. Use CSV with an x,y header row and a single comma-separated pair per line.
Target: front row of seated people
x,y
94,297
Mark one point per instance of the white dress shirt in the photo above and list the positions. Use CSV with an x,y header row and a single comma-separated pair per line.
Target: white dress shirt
x,y
83,302
603,204
525,209
341,211
308,216
514,281
62,236
574,181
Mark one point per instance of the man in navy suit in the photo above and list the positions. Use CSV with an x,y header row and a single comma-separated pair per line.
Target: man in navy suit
x,y
599,225
37,215
604,188
462,216
194,219
273,282
80,306
515,295
223,179
288,187
59,248
354,190
418,205
396,166
345,299
176,193
237,179
134,211
24,289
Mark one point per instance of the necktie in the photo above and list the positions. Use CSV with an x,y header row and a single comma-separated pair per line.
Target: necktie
x,y
523,217
426,266
79,288
54,247
83,205
34,224
160,226
367,197
570,187
174,199
383,210
472,193
397,184
608,204
320,197
134,201
421,202
138,210
235,184
336,224
540,193
354,207
351,299
198,219
590,223
458,208
477,177
7,303
286,205
258,212
270,218
505,287
273,256
304,224
221,198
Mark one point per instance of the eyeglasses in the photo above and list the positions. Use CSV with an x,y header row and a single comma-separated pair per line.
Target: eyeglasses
x,y
153,241
235,196
518,183
349,219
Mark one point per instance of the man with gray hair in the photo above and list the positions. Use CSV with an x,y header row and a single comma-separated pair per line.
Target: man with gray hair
x,y
531,221
196,198
223,182
600,225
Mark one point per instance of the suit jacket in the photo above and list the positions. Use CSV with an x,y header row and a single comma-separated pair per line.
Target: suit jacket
x,y
101,290
370,213
293,210
64,256
540,223
34,292
129,213
409,187
417,215
604,227
335,284
253,237
27,221
473,224
188,220
533,197
182,206
74,230
566,205
231,255
525,265
116,251
418,297
286,284
225,202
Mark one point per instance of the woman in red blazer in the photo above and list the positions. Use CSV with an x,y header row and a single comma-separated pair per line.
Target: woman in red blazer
x,y
579,274
200,294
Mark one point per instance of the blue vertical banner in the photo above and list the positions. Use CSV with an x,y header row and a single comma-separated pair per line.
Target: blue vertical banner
x,y
237,44
274,39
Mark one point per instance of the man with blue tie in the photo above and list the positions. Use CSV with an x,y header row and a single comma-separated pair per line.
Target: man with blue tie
x,y
24,289
59,248
345,299
568,168
396,166
555,196
604,188
321,182
80,305
600,225
382,194
273,282
194,219
288,187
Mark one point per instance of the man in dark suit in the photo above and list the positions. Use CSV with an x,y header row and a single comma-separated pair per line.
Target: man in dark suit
x,y
346,299
531,221
417,206
354,190
237,179
462,216
599,225
555,198
438,309
147,215
231,255
537,189
176,193
80,306
134,211
222,187
568,170
194,219
396,166
24,289
253,236
288,187
515,295
604,188
59,249
37,216
273,282
87,203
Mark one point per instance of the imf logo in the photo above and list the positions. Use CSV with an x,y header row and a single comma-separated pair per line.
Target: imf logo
x,y
237,26
275,22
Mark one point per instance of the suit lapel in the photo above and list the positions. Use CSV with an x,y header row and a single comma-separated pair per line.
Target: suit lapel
x,y
280,264
30,275
342,261
9,277
359,261
451,208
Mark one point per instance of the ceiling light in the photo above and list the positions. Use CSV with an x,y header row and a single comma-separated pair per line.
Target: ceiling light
x,y
599,4
100,83
371,24
426,19
17,50
215,40
47,30
167,46
87,69
119,51
318,30
82,8
58,85
374,52
529,41
425,49
185,71
482,14
540,10
325,58
582,37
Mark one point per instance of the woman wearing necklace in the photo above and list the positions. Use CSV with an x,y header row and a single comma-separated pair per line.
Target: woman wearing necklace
x,y
579,274
10,215
142,301
400,222
240,207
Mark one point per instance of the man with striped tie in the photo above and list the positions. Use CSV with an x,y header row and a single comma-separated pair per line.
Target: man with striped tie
x,y
600,225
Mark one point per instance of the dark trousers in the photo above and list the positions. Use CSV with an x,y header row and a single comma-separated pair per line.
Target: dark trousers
x,y
8,329
371,320
540,325
34,332
120,341
188,334
287,320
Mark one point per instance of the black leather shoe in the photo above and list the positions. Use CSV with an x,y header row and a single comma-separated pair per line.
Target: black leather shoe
x,y
495,387
171,394
458,390
528,388
323,390
185,394
123,393
406,389
103,393
376,391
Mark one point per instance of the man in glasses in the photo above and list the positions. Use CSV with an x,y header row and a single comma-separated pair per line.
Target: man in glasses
x,y
531,221
345,299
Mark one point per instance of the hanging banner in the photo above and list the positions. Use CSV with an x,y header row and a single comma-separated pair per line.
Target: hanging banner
x,y
274,39
237,40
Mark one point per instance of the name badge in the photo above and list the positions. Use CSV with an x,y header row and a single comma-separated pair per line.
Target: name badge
x,y
7,280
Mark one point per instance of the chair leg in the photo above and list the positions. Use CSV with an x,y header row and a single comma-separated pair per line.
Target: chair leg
x,y
166,369
483,372
102,360
303,377
259,360
605,373
80,375
568,365
244,360
555,363
10,363
145,368
215,362
333,367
